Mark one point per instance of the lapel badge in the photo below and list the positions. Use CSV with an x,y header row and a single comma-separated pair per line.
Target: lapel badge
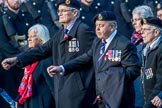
x,y
66,37
67,2
100,17
158,6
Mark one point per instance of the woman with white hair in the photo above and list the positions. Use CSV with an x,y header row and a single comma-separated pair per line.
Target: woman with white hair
x,y
138,14
34,90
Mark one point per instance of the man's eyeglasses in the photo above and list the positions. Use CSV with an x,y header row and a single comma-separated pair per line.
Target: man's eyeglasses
x,y
148,29
63,10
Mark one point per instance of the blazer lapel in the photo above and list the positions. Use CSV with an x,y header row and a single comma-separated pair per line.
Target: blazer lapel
x,y
62,46
73,32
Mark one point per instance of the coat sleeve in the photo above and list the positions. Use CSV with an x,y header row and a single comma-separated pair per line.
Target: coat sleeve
x,y
35,54
80,62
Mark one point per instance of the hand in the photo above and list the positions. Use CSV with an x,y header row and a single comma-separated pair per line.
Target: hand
x,y
156,101
9,62
53,70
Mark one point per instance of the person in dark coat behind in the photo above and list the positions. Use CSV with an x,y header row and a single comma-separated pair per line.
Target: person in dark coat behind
x,y
152,61
44,12
14,22
35,77
76,90
115,61
88,10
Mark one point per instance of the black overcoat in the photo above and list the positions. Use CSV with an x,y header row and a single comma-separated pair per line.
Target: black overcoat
x,y
75,90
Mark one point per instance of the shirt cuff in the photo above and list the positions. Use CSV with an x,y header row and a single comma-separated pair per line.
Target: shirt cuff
x,y
63,70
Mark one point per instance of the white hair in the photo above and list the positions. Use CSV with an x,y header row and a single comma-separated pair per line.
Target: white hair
x,y
41,31
143,11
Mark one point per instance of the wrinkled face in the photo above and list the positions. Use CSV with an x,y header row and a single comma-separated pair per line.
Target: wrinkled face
x,y
14,4
66,14
159,14
33,39
149,34
136,22
104,29
87,2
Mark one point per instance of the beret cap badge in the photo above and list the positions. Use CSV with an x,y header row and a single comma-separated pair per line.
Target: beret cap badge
x,y
144,21
158,6
100,17
67,2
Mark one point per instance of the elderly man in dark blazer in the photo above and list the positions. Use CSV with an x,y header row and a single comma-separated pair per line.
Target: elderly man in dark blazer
x,y
76,90
116,67
152,61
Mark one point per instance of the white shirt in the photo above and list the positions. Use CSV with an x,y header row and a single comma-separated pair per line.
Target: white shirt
x,y
109,39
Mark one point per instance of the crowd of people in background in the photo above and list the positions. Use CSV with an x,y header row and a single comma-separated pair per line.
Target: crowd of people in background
x,y
81,53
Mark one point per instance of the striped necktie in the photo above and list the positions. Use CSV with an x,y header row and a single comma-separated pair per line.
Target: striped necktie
x,y
102,50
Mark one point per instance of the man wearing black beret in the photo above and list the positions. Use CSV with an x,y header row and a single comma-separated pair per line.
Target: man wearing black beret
x,y
76,90
115,61
152,62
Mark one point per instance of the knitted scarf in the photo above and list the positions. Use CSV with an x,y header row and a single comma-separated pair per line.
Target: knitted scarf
x,y
25,88
136,37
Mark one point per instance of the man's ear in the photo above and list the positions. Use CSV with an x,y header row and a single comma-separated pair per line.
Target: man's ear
x,y
157,32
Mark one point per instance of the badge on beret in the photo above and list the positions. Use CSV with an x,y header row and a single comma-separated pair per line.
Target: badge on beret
x,y
100,17
67,2
158,6
144,21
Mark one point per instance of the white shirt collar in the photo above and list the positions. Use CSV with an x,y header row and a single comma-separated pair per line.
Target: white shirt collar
x,y
70,26
110,38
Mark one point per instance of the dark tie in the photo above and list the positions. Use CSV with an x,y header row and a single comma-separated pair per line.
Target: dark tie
x,y
102,50
66,31
65,34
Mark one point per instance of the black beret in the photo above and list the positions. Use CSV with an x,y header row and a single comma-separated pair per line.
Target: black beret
x,y
105,16
154,21
159,6
69,3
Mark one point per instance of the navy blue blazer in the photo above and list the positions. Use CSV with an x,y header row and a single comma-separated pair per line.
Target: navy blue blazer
x,y
124,55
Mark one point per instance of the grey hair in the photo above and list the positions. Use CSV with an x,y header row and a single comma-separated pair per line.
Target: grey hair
x,y
155,27
143,11
78,12
114,22
41,31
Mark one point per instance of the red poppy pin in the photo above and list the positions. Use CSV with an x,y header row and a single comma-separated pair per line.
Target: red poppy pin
x,y
66,36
